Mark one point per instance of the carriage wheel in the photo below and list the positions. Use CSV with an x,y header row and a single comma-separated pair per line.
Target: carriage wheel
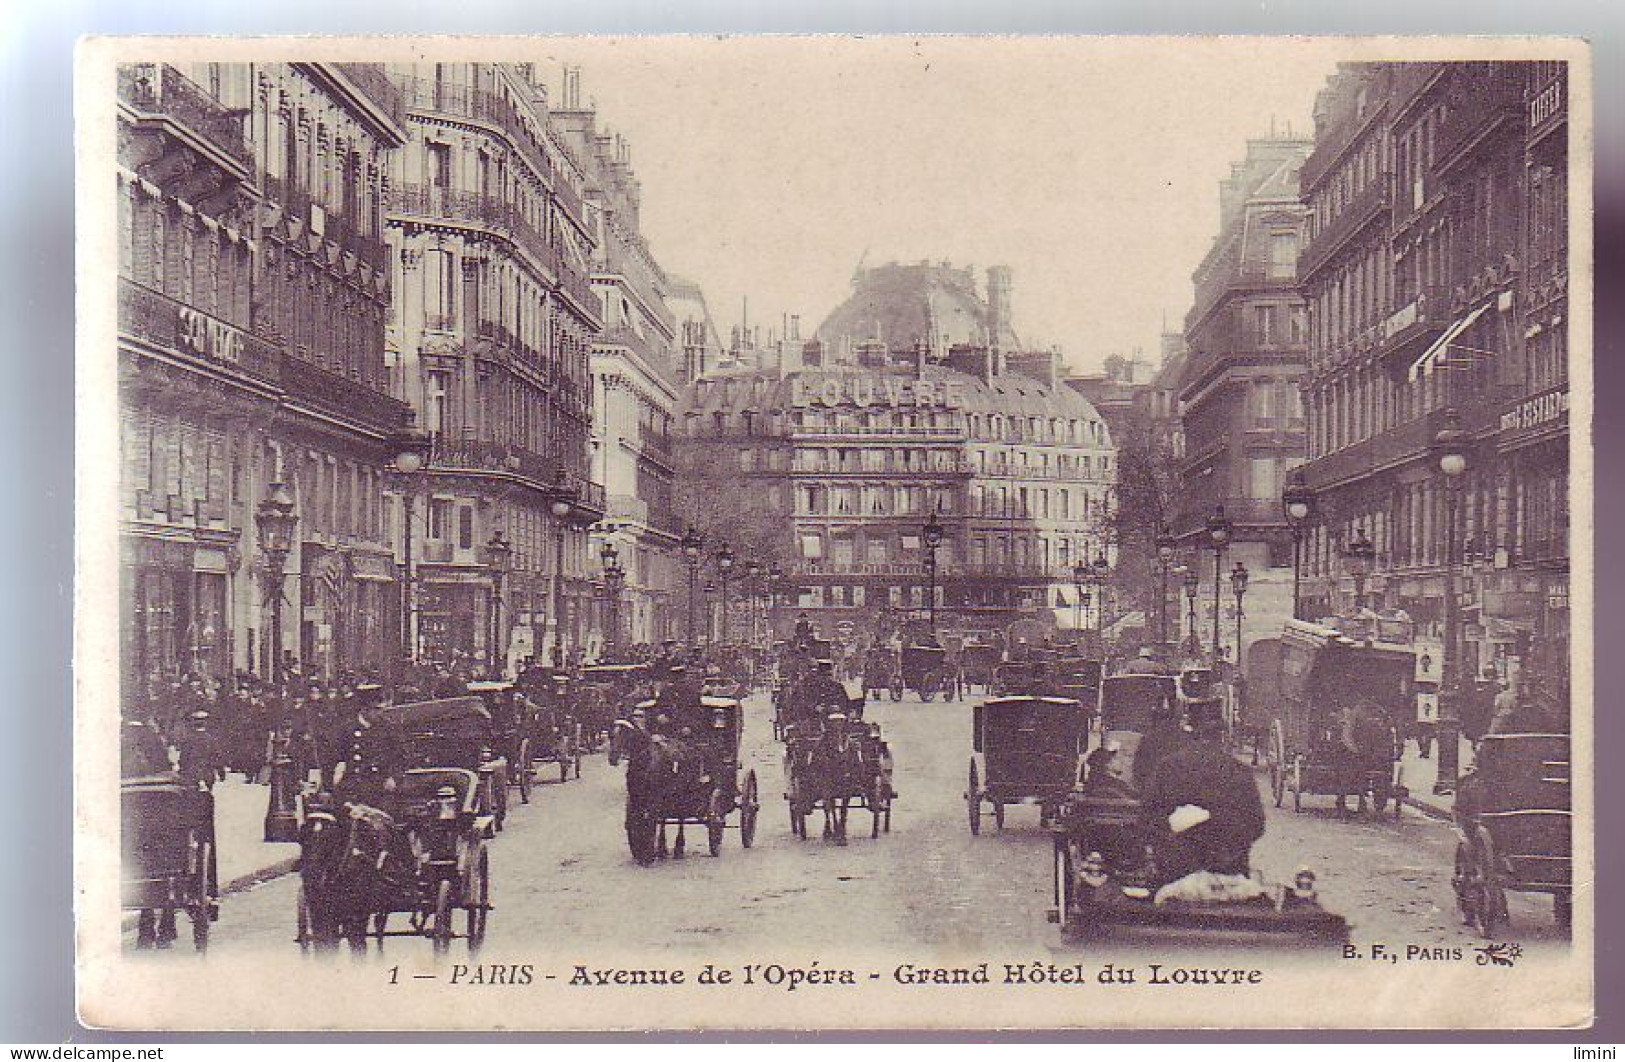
x,y
998,814
716,819
198,907
973,800
750,803
1276,757
478,899
441,931
1063,884
1492,907
524,771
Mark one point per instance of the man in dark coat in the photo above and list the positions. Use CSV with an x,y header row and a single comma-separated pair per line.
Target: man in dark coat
x,y
201,757
1219,812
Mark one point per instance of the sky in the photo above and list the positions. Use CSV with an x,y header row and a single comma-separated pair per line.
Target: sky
x,y
771,167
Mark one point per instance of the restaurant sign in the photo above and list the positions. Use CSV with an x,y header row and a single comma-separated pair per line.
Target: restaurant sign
x,y
895,391
1536,411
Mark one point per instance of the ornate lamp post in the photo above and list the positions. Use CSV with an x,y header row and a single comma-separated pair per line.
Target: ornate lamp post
x,y
1449,451
725,563
933,539
1165,557
693,543
1238,586
561,506
1218,536
1102,580
1359,553
409,461
1298,501
499,558
710,611
275,521
1193,584
614,580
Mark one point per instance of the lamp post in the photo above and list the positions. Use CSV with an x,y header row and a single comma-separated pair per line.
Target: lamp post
x,y
614,579
1449,452
753,598
275,521
561,506
1359,553
409,462
692,542
1102,579
499,557
933,538
1298,500
1081,573
1238,585
775,594
710,611
1165,556
725,563
1218,535
1193,584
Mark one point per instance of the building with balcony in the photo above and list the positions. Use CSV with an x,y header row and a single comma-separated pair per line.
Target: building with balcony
x,y
831,471
1241,415
634,370
252,296
490,340
1434,275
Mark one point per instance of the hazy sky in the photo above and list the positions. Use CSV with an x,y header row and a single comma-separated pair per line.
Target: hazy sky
x,y
770,166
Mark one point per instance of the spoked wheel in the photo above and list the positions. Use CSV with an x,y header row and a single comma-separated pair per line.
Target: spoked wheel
x,y
442,929
524,771
716,819
1276,756
477,901
973,800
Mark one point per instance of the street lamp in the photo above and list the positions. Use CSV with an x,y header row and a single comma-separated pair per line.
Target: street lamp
x,y
1165,556
1218,536
614,580
1238,585
409,461
499,558
933,538
1449,452
1298,500
1081,573
275,521
1102,579
561,506
1359,553
710,612
725,563
1193,583
692,544
753,598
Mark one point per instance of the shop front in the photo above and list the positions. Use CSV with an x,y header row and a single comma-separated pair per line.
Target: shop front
x,y
176,621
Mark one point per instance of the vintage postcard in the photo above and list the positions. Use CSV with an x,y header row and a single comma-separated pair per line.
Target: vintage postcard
x,y
819,533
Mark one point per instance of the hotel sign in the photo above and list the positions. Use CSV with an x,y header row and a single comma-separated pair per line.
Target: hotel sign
x,y
894,391
209,338
1536,411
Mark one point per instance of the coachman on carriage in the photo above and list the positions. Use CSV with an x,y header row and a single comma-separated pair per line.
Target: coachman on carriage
x,y
834,761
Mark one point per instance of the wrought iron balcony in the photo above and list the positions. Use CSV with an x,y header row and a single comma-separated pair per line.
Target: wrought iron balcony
x,y
172,325
491,213
161,95
1368,206
372,80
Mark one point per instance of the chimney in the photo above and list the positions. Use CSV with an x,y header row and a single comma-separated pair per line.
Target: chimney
x,y
998,303
795,326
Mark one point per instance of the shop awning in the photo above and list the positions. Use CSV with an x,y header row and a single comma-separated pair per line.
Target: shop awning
x,y
1424,365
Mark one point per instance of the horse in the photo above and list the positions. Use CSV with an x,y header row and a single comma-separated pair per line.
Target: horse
x,y
1365,743
342,855
659,770
836,769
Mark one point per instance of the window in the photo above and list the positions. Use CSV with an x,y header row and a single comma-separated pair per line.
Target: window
x,y
439,290
465,527
434,404
878,552
439,517
1283,255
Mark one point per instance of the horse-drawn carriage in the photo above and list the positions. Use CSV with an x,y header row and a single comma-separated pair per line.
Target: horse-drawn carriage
x,y
511,724
1025,750
1120,861
603,693
408,836
1079,678
833,762
883,671
976,663
169,857
1256,696
1514,815
683,769
1337,724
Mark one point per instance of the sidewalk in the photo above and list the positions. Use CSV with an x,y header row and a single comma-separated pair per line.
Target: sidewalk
x,y
244,858
1419,775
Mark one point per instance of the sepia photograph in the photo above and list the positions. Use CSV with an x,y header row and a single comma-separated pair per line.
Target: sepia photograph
x,y
816,533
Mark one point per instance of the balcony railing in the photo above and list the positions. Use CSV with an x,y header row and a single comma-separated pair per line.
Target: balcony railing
x,y
916,570
160,91
485,211
957,466
1486,99
341,395
171,324
1370,204
371,79
828,430
578,289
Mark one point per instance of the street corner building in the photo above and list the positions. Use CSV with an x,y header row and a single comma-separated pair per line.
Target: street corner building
x,y
913,404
